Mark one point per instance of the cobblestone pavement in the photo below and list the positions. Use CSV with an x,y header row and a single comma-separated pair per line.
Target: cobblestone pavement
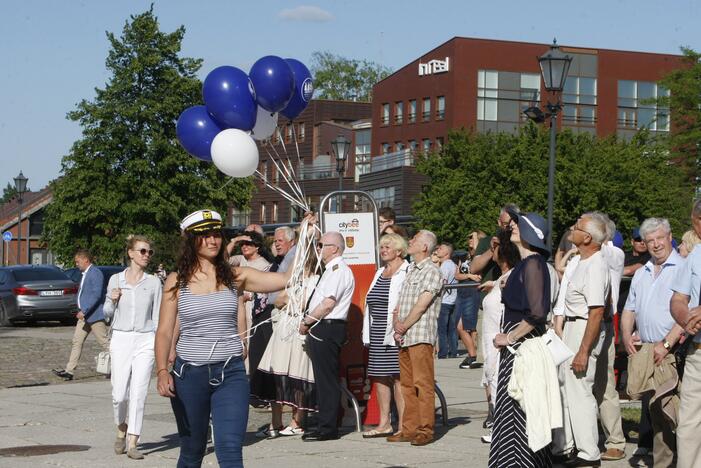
x,y
29,352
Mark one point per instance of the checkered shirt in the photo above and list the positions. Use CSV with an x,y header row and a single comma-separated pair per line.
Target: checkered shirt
x,y
422,277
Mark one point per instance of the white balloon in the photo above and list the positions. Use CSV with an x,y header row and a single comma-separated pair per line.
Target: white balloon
x,y
266,123
235,153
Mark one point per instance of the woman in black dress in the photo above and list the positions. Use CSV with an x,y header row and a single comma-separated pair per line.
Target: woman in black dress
x,y
526,299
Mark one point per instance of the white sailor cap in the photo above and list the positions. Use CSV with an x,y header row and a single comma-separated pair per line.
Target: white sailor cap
x,y
201,220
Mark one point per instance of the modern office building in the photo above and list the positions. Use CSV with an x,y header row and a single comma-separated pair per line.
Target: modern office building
x,y
484,85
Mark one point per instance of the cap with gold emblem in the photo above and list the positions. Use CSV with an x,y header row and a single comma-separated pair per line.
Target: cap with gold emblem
x,y
200,221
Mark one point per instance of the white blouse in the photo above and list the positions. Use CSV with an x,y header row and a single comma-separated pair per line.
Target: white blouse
x,y
139,305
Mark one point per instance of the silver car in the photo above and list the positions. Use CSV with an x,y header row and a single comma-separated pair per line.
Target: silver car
x,y
36,292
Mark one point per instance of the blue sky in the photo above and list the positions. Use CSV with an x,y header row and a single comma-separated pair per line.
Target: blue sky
x,y
53,52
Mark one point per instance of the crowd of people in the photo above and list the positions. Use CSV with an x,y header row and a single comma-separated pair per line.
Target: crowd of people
x,y
218,330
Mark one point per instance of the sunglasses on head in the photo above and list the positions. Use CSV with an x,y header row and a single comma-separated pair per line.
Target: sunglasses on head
x,y
146,251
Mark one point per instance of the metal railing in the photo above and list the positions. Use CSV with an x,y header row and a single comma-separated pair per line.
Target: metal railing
x,y
401,158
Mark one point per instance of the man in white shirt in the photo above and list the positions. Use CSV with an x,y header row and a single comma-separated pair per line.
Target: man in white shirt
x,y
326,320
586,298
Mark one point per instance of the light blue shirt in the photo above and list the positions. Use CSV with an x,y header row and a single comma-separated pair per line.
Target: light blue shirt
x,y
688,281
649,298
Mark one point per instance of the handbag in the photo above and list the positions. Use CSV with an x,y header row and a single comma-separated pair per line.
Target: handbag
x,y
104,363
558,349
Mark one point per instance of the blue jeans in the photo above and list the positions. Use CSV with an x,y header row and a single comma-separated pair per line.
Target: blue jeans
x,y
447,331
199,392
467,307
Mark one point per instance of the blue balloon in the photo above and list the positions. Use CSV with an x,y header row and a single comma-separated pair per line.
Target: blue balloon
x,y
304,89
229,97
196,130
273,82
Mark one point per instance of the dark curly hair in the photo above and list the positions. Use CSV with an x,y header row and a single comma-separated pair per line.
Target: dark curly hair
x,y
187,263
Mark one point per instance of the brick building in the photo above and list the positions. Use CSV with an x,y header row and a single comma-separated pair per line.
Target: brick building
x,y
32,250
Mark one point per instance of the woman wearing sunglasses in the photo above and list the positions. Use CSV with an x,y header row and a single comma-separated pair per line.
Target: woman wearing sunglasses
x,y
208,376
133,305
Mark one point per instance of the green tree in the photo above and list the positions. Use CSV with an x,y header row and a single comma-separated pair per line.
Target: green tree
x,y
128,174
475,174
337,77
8,192
684,103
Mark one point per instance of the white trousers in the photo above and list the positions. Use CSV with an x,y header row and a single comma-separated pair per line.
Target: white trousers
x,y
579,404
132,363
689,424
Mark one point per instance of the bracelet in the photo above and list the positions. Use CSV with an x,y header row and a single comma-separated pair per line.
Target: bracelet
x,y
159,372
508,341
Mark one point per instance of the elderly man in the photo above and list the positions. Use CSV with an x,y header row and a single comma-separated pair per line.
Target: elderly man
x,y
586,298
328,312
647,307
415,327
685,309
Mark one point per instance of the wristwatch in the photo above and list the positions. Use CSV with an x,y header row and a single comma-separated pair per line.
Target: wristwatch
x,y
666,345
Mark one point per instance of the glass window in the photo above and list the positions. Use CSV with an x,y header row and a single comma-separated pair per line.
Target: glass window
x,y
413,145
530,81
412,111
426,145
426,111
385,114
39,274
439,142
587,86
262,213
300,131
386,147
440,107
398,112
626,89
398,146
646,90
637,108
274,212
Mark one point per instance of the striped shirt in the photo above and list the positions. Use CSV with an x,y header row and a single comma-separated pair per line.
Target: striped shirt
x,y
208,326
384,360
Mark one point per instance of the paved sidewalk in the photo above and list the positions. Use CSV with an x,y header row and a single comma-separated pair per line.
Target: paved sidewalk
x,y
80,413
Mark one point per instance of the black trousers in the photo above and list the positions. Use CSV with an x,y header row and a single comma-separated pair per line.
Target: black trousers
x,y
325,356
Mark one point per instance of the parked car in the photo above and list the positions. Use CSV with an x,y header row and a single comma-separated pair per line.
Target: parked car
x,y
107,272
33,292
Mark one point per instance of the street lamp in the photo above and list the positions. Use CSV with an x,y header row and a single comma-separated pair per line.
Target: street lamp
x,y
20,187
554,66
340,148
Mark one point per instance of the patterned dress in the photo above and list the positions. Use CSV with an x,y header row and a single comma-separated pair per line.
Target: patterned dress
x,y
384,360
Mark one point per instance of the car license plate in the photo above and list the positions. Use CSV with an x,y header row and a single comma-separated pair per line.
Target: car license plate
x,y
51,293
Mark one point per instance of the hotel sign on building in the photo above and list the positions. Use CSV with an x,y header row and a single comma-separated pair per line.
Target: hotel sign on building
x,y
434,67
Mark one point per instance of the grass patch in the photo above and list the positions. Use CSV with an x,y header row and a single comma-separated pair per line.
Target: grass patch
x,y
631,421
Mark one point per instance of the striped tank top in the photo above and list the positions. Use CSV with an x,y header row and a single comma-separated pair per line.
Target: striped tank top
x,y
208,326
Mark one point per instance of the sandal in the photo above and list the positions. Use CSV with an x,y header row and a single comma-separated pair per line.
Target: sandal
x,y
292,431
374,433
268,433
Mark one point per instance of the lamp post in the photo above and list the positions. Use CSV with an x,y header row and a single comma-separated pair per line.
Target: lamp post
x,y
340,148
21,187
554,66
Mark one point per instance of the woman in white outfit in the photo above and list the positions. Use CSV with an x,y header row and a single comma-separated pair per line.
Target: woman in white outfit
x,y
133,303
505,254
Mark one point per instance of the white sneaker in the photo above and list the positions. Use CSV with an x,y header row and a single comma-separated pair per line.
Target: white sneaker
x,y
487,439
268,433
292,431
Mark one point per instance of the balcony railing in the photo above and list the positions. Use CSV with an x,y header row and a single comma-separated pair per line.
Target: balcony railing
x,y
322,171
401,158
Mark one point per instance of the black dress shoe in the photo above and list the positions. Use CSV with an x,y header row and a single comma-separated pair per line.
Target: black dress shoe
x,y
564,458
63,374
318,436
582,462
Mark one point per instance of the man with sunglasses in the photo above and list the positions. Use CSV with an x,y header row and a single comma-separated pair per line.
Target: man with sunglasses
x,y
586,297
326,322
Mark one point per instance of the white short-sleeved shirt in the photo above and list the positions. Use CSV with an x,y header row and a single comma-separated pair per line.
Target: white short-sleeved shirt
x,y
336,282
615,259
589,286
688,281
448,272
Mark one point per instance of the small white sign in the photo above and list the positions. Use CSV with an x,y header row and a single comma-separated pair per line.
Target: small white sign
x,y
434,66
358,231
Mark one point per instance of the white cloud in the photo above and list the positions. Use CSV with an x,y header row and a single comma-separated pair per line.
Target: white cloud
x,y
305,13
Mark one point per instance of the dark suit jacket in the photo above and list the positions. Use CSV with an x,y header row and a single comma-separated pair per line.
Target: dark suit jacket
x,y
92,295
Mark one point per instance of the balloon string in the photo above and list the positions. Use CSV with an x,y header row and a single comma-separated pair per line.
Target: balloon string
x,y
226,183
279,190
287,177
293,177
